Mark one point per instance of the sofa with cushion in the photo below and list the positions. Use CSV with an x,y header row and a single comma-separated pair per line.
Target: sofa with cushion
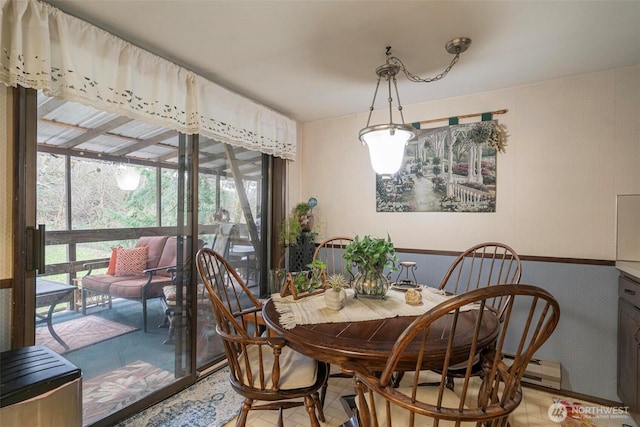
x,y
137,273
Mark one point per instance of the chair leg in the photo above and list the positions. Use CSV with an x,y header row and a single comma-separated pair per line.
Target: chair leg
x,y
396,378
280,417
244,411
363,413
323,393
448,383
311,410
144,313
169,319
84,302
318,405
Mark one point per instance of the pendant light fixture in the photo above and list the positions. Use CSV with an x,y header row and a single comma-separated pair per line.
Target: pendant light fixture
x,y
386,141
128,178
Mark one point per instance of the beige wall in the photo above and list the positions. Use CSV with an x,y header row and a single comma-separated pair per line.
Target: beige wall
x,y
573,145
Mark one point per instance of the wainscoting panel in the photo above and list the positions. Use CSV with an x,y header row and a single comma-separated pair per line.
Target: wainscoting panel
x,y
585,340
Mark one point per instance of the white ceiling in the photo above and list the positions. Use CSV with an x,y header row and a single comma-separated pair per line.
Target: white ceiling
x,y
313,60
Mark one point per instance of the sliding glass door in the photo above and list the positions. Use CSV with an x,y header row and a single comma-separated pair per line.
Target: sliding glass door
x,y
231,203
115,197
121,208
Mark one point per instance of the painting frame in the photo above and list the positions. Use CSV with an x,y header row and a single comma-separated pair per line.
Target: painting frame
x,y
445,169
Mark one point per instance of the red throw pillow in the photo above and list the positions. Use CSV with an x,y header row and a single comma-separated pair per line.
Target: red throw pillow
x,y
131,261
112,261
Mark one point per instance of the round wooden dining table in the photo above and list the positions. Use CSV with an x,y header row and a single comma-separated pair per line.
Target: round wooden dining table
x,y
369,343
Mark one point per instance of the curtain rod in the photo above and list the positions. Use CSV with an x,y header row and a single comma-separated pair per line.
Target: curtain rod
x,y
465,116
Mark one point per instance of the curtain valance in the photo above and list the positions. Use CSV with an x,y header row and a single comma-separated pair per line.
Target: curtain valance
x,y
44,48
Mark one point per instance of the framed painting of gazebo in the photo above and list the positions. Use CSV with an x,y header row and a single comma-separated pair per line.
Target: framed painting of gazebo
x,y
445,169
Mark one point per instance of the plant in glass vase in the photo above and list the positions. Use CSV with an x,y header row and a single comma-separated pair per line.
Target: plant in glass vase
x,y
371,255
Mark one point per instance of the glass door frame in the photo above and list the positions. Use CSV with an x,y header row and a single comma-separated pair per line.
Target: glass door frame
x,y
25,125
24,215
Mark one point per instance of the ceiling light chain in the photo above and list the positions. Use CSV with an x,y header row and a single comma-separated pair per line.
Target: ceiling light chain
x,y
454,47
387,141
417,79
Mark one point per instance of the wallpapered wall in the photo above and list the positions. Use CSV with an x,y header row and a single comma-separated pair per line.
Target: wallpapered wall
x,y
6,181
573,145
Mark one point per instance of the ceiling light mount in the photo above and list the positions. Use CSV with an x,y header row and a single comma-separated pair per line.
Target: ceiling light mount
x,y
387,141
388,70
458,45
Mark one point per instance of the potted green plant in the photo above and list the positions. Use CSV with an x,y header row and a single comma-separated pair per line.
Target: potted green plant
x,y
335,295
302,213
301,281
317,270
371,255
297,235
290,231
312,279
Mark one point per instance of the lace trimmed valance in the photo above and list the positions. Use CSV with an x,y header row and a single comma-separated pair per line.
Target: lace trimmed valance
x,y
44,48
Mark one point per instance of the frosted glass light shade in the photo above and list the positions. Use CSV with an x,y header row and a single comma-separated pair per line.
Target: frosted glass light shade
x,y
128,178
386,146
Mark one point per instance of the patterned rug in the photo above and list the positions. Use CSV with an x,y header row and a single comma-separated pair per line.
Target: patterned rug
x,y
81,332
211,402
110,392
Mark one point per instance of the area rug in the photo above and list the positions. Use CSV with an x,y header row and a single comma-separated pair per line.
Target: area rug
x,y
211,402
110,392
570,413
81,332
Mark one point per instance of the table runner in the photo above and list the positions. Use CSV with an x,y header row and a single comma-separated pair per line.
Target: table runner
x,y
312,310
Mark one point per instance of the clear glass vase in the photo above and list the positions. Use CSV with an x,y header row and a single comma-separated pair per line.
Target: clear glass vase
x,y
370,284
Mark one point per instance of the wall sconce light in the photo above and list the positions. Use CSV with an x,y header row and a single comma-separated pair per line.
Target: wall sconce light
x,y
128,178
387,141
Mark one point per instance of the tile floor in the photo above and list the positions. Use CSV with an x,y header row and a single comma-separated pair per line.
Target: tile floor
x,y
532,412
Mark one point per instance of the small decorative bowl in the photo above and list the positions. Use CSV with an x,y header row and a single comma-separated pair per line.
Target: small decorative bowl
x,y
413,297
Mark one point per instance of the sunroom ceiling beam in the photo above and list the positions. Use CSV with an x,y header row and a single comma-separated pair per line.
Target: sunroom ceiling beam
x,y
95,155
91,133
85,129
49,105
147,142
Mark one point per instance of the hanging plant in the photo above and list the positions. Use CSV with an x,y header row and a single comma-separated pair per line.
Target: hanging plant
x,y
498,137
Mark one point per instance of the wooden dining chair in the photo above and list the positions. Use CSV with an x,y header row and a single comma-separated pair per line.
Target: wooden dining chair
x,y
330,252
263,369
530,316
482,265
